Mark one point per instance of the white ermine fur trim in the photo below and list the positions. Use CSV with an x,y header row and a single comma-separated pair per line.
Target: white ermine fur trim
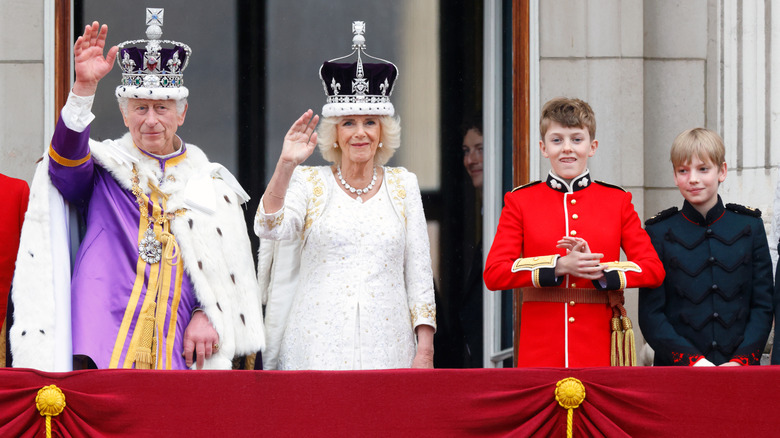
x,y
215,247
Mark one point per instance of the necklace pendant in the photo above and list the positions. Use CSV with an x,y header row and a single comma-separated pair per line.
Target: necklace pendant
x,y
150,249
359,199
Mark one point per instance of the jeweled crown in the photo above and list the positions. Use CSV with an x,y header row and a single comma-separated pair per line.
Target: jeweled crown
x,y
358,88
153,71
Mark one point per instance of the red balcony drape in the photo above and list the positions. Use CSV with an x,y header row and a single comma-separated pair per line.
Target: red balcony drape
x,y
636,402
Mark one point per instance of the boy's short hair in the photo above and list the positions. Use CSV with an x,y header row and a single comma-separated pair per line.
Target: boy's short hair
x,y
701,142
570,113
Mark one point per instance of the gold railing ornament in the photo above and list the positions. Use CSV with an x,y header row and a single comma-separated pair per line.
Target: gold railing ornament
x,y
50,402
569,393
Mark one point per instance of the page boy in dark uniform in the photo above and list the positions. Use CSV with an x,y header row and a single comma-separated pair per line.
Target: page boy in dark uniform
x,y
715,305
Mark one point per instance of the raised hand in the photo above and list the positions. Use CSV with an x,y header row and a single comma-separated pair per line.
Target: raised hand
x,y
300,141
90,65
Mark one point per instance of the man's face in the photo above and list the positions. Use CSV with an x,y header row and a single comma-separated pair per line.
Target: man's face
x,y
568,149
472,155
153,124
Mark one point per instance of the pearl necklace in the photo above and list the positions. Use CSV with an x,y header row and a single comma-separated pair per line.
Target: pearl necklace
x,y
354,190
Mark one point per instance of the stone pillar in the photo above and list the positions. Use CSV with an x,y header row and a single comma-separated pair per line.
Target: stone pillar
x,y
21,87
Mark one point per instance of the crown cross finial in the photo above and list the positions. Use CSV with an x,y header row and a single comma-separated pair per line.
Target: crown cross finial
x,y
358,29
154,19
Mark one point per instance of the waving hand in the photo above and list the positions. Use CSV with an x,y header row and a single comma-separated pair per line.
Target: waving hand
x,y
90,65
300,141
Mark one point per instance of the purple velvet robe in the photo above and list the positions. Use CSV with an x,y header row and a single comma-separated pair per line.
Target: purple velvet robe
x,y
109,283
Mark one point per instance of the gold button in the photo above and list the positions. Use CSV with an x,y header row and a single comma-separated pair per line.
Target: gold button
x,y
575,216
573,201
571,303
573,285
573,232
571,319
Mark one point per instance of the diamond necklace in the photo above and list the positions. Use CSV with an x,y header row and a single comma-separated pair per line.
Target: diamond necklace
x,y
352,189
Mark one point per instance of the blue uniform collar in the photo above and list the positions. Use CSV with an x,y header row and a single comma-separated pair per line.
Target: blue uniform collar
x,y
713,215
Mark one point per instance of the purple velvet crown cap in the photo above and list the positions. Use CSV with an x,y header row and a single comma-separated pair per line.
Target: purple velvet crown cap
x,y
166,61
376,74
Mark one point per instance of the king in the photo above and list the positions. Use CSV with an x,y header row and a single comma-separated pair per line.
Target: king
x,y
164,276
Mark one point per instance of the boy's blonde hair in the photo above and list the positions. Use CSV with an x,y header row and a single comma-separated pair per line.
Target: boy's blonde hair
x,y
570,113
702,142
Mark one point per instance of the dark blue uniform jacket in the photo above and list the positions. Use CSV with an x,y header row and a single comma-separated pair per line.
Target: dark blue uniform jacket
x,y
716,300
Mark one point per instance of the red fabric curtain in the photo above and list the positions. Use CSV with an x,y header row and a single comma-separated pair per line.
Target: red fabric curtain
x,y
635,402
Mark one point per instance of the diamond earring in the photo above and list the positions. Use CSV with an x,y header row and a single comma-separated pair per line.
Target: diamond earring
x,y
380,144
335,145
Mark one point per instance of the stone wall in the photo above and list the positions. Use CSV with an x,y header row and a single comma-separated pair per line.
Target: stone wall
x,y
21,86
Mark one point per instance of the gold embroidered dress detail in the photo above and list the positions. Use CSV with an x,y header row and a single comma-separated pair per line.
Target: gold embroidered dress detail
x,y
365,278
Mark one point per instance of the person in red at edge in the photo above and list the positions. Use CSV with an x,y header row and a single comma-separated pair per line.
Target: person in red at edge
x,y
14,194
560,241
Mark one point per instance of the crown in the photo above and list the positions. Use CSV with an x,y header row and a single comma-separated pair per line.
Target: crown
x,y
153,72
358,88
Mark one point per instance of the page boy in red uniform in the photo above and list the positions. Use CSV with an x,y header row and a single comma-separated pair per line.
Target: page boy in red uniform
x,y
560,241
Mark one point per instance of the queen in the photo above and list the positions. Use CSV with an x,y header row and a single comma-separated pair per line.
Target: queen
x,y
361,293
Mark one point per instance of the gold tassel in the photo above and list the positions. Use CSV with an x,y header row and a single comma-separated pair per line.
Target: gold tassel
x,y
629,346
616,356
144,359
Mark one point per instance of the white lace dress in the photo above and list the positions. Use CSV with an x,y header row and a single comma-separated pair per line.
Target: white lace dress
x,y
365,279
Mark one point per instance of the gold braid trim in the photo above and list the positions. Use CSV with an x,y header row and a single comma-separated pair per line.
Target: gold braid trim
x,y
144,357
622,266
62,161
532,263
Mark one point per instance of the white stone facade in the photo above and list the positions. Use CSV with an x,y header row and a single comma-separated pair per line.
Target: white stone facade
x,y
22,105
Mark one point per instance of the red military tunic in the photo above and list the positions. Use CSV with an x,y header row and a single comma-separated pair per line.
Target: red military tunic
x,y
566,323
13,197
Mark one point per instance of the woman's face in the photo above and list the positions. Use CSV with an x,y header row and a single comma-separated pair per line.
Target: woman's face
x,y
472,155
358,137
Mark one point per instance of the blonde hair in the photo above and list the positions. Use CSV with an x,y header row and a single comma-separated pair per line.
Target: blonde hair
x,y
390,137
702,142
570,113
